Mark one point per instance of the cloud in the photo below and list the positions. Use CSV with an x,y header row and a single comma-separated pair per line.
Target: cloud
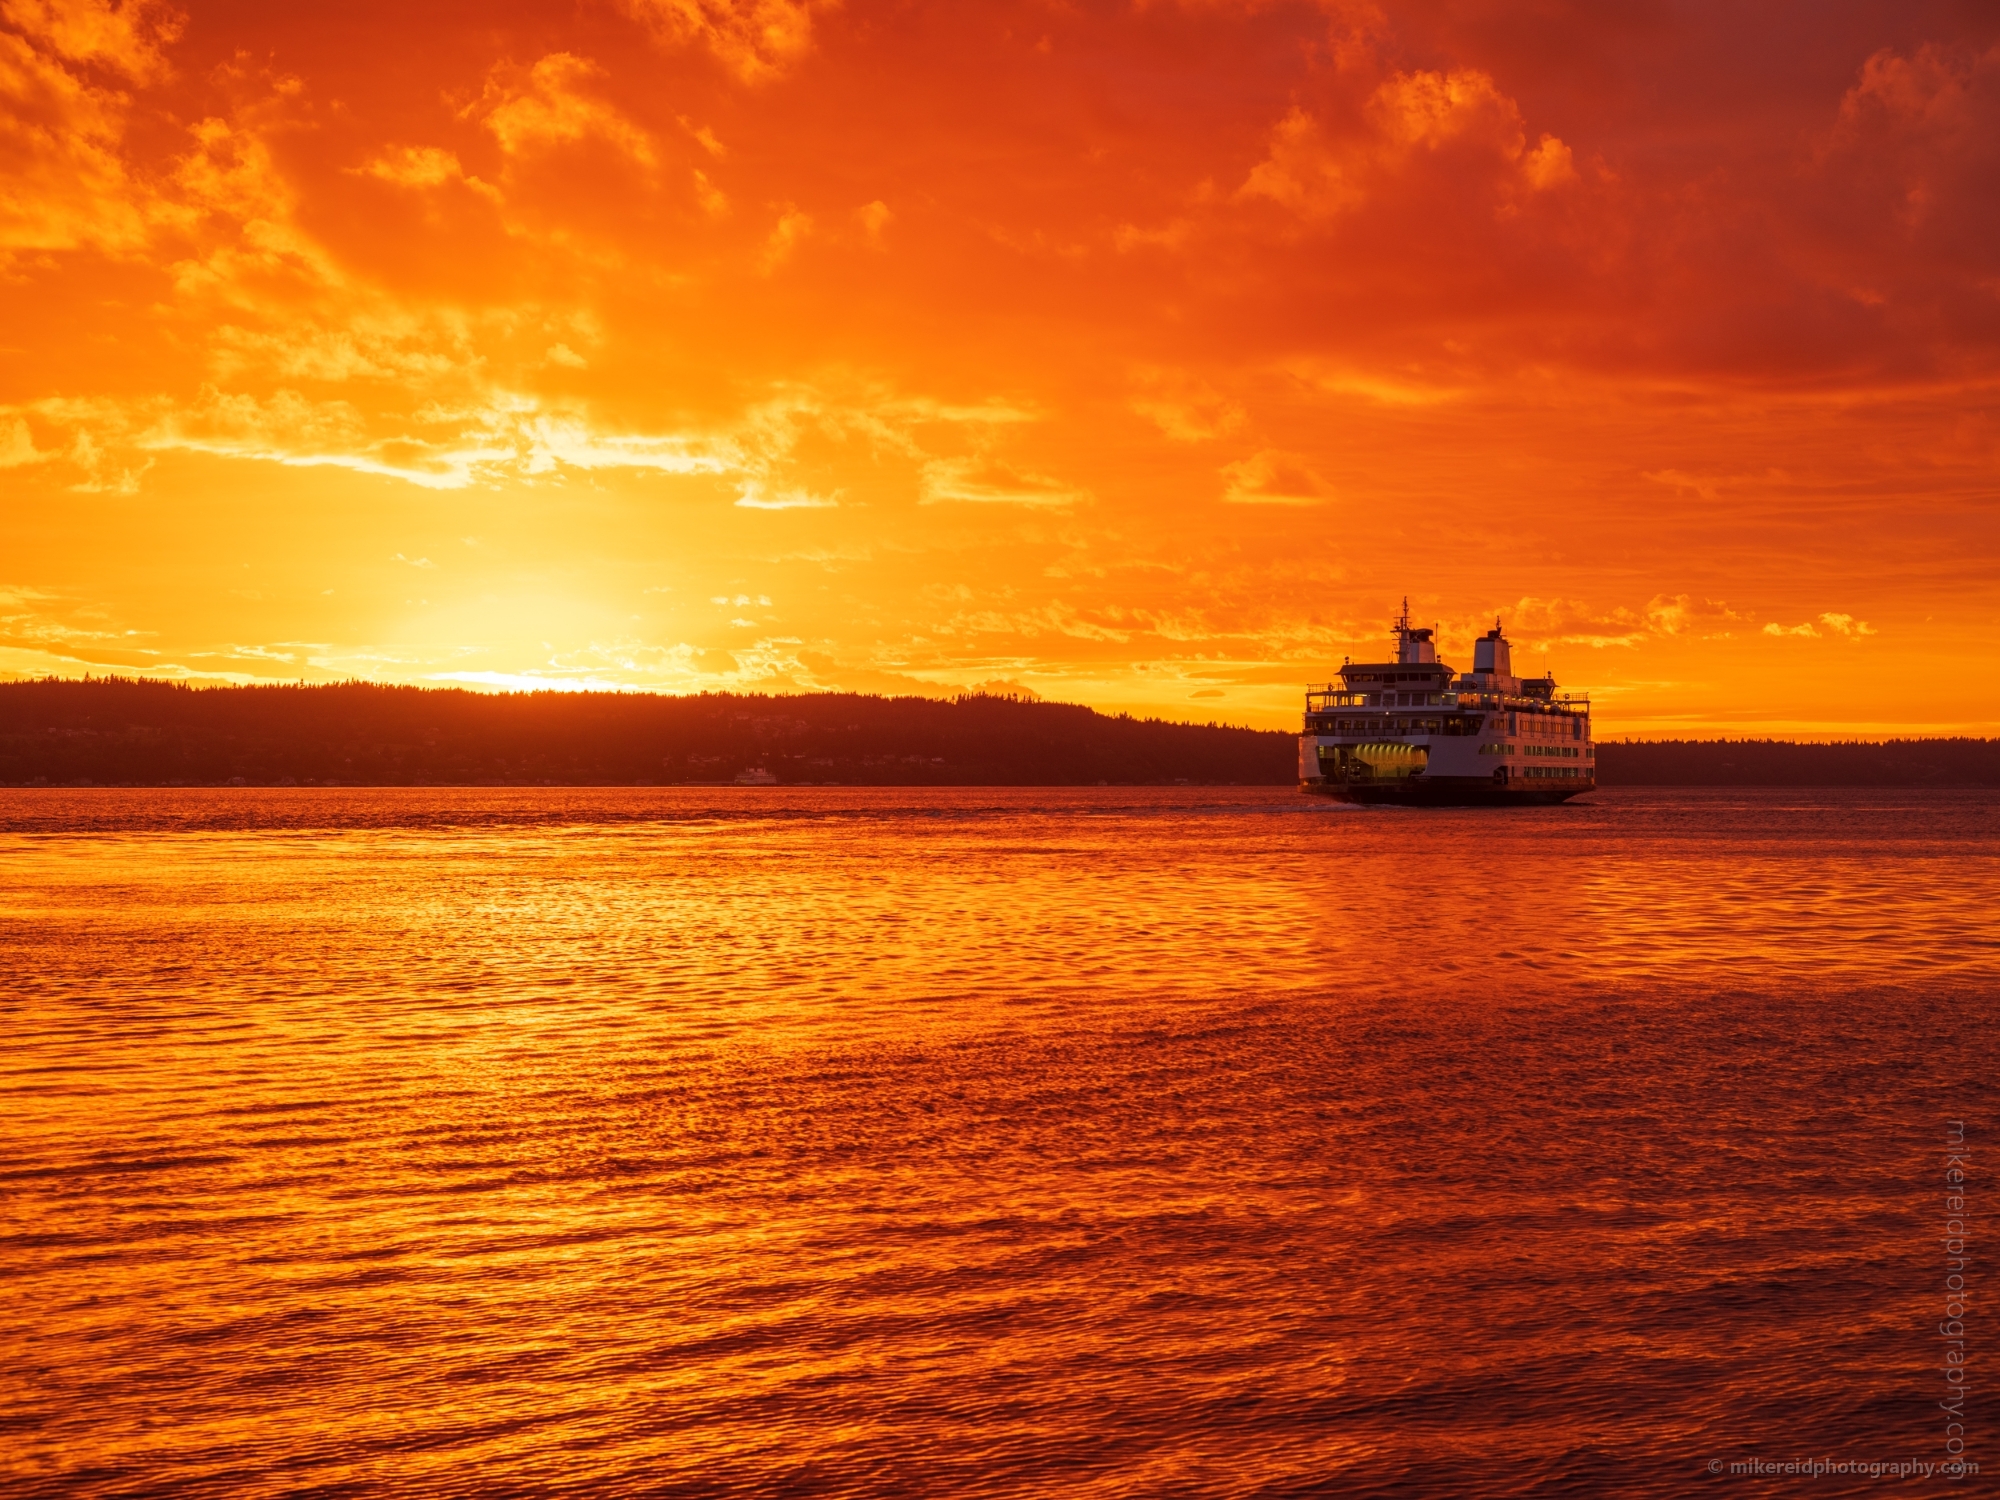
x,y
1541,623
1319,173
1834,624
1930,94
1385,387
1305,170
791,231
381,346
437,448
1173,235
291,429
63,179
1429,109
556,104
1183,406
548,439
42,630
1686,615
1272,477
232,173
495,435
990,481
255,256
754,39
873,219
708,139
17,446
415,166
1674,479
714,202
126,37
756,496
1550,165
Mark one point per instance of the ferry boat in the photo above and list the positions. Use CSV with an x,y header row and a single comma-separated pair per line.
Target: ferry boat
x,y
1408,731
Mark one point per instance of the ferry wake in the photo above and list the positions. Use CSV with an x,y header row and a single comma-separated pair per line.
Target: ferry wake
x,y
1409,731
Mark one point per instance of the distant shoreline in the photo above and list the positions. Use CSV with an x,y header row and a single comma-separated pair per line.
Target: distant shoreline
x,y
125,732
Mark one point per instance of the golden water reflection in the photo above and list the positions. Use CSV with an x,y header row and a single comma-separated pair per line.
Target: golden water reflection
x,y
1012,1142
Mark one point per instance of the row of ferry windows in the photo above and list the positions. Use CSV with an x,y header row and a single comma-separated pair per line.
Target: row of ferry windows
x,y
1515,724
1549,726
1397,726
1567,752
1557,725
1389,700
1545,771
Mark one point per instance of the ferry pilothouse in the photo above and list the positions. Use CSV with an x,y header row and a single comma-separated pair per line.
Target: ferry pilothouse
x,y
1409,731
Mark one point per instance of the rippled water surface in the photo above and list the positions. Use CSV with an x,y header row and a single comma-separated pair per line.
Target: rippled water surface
x,y
973,1142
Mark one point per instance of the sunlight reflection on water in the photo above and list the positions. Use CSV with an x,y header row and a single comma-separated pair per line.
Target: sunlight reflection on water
x,y
993,1142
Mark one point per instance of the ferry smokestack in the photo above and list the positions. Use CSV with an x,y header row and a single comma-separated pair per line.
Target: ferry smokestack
x,y
1490,653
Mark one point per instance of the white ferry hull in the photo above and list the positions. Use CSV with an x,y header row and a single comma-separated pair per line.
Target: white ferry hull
x,y
1447,791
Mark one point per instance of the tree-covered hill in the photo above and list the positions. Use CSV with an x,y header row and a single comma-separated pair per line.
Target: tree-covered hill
x,y
1899,763
123,732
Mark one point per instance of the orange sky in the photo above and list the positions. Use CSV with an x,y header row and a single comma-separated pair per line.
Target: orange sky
x,y
1139,354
